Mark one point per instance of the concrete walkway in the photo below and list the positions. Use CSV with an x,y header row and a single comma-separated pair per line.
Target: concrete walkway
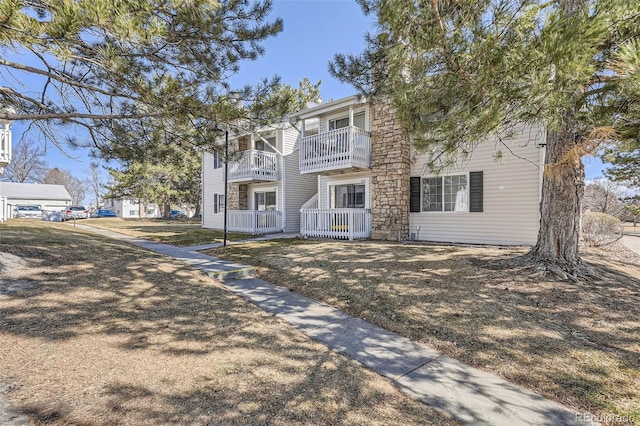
x,y
467,394
632,242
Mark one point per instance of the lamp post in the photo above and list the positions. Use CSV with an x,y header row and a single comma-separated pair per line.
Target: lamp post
x,y
226,180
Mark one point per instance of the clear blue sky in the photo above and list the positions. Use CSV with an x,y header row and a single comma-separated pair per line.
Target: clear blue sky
x,y
314,31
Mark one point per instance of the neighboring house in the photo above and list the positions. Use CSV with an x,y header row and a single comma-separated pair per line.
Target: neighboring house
x,y
50,198
129,208
5,159
362,178
266,189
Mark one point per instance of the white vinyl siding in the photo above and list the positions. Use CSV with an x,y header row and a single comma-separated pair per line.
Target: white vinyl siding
x,y
511,196
298,190
212,183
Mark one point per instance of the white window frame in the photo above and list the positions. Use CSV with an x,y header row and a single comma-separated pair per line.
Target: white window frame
x,y
441,177
351,181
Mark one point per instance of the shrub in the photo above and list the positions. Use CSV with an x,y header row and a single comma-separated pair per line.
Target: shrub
x,y
600,229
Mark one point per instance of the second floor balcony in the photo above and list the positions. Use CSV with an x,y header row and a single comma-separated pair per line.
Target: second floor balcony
x,y
344,148
5,146
255,166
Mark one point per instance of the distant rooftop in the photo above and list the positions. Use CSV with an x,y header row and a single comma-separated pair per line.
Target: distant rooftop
x,y
41,191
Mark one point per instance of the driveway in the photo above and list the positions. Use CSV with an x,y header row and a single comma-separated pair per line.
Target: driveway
x,y
632,241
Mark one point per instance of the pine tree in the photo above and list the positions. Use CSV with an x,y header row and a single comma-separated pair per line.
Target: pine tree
x,y
459,71
93,63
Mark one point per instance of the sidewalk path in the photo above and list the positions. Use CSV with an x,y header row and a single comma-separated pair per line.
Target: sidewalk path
x,y
632,242
469,395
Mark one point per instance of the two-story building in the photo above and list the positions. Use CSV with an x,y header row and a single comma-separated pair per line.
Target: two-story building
x,y
364,179
265,190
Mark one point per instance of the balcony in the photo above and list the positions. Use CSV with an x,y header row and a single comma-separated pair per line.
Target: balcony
x,y
344,148
254,221
5,146
255,166
346,224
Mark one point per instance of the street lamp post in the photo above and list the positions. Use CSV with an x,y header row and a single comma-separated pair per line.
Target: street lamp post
x,y
226,179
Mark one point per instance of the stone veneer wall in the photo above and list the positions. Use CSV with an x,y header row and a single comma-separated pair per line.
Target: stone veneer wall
x,y
237,193
390,170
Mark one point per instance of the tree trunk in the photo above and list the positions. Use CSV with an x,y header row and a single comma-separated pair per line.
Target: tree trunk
x,y
557,248
166,209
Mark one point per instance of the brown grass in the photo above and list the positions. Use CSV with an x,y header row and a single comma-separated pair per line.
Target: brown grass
x,y
182,232
578,343
112,334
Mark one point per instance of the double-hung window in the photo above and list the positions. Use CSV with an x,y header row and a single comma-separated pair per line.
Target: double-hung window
x,y
218,203
217,160
452,193
445,194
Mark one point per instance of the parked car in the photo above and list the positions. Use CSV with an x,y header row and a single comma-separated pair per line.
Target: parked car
x,y
75,212
27,212
177,214
104,213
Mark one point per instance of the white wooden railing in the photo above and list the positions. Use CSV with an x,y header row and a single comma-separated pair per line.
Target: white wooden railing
x,y
255,165
312,203
254,221
337,149
348,224
5,145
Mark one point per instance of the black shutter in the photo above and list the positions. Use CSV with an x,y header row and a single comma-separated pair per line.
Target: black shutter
x,y
475,191
414,194
215,203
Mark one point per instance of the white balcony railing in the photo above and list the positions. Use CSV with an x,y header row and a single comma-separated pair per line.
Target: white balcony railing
x,y
254,221
342,148
351,224
255,165
5,146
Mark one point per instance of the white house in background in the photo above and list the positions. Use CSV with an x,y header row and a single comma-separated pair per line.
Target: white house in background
x,y
51,198
129,208
266,189
371,183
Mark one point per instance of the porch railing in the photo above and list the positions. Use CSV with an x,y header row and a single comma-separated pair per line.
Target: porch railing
x,y
254,221
254,165
5,146
351,224
337,149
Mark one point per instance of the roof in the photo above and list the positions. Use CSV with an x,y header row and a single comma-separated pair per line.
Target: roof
x,y
331,106
26,191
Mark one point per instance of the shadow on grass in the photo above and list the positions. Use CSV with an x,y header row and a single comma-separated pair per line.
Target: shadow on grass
x,y
535,331
236,365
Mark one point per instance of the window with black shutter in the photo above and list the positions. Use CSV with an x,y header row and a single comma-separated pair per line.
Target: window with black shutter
x,y
215,203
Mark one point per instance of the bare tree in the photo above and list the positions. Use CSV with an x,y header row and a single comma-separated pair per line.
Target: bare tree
x,y
74,185
28,164
604,196
95,182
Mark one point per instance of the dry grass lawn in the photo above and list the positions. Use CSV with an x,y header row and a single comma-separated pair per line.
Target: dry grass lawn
x,y
182,232
577,343
97,332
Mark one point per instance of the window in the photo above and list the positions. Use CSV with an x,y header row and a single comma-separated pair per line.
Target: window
x,y
133,212
265,200
347,196
445,193
217,160
262,146
338,123
218,203
449,193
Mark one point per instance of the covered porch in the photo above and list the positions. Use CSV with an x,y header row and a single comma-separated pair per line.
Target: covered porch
x,y
346,224
254,221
